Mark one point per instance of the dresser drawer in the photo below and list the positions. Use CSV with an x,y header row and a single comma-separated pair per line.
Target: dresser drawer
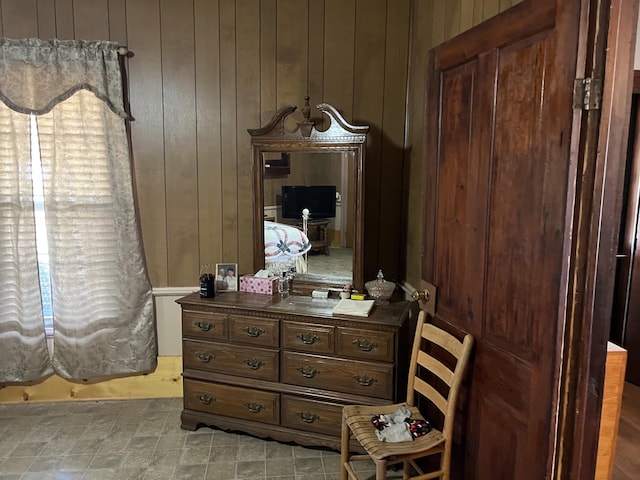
x,y
254,331
365,344
260,363
307,337
348,376
204,325
230,401
311,415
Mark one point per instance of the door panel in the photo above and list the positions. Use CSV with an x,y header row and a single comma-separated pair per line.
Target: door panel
x,y
465,180
524,244
502,463
494,247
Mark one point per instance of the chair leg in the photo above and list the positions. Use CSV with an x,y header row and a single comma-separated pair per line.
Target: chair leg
x,y
344,450
406,469
381,470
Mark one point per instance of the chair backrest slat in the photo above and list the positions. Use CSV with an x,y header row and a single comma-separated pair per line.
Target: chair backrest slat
x,y
433,365
444,339
426,390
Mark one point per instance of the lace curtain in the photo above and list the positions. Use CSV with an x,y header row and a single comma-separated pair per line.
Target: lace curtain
x,y
102,305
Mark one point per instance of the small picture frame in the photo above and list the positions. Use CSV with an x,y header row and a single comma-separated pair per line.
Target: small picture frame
x,y
226,277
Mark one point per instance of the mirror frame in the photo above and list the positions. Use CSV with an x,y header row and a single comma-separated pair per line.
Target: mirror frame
x,y
340,137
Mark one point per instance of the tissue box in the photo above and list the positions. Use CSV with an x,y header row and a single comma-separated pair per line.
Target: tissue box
x,y
253,284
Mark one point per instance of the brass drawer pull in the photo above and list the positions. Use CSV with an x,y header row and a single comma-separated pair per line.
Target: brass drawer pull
x,y
364,344
308,417
364,380
254,407
308,372
254,331
253,363
204,326
308,338
205,399
205,357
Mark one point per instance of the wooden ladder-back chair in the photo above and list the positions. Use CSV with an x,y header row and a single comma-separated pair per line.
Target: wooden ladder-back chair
x,y
428,376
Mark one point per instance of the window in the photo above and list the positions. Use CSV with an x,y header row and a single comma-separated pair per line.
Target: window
x,y
42,245
71,262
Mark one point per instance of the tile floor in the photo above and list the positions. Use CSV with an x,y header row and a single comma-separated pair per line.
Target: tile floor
x,y
141,439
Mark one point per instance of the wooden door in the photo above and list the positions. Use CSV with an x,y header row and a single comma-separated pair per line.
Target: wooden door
x,y
508,237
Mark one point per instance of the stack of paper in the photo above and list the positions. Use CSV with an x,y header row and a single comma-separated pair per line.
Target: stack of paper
x,y
360,308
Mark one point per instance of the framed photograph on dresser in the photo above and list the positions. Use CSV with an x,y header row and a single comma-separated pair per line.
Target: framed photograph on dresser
x,y
226,277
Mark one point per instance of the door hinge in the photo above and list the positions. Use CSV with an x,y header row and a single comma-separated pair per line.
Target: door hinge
x,y
587,93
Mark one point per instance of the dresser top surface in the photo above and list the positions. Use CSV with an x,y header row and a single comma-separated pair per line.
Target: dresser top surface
x,y
392,314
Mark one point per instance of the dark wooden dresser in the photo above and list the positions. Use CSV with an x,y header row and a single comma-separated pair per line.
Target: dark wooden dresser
x,y
283,367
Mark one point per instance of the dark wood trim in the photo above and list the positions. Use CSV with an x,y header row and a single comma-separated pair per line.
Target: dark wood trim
x,y
636,81
599,202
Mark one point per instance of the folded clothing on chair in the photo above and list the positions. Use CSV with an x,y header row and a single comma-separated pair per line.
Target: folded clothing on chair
x,y
399,426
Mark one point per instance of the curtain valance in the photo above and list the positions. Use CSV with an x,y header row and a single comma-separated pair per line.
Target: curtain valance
x,y
36,75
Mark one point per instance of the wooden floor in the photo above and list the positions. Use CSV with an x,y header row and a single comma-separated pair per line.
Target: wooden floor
x,y
627,459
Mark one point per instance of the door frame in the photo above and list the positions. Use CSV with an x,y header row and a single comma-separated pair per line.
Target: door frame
x,y
608,54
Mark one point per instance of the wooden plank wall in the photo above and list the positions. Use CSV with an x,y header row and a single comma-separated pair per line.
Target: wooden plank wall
x,y
204,71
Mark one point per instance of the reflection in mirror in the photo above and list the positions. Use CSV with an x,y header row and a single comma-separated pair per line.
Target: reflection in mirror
x,y
320,183
321,171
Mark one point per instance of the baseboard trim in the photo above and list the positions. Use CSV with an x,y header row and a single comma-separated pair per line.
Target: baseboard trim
x,y
173,291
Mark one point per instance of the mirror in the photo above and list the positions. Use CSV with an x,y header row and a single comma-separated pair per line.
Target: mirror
x,y
322,171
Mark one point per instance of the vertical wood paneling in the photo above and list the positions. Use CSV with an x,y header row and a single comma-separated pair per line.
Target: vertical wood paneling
x,y
393,161
204,71
64,19
178,96
46,19
228,114
118,21
248,113
292,55
91,19
466,15
339,66
316,54
207,45
477,11
147,131
490,8
437,27
20,18
369,76
451,18
268,75
421,11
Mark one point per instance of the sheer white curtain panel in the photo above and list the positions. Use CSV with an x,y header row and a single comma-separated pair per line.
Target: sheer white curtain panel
x,y
23,346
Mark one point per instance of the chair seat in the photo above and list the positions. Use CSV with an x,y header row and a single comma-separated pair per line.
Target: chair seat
x,y
358,418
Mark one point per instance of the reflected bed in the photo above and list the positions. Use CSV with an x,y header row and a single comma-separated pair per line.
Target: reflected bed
x,y
284,247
